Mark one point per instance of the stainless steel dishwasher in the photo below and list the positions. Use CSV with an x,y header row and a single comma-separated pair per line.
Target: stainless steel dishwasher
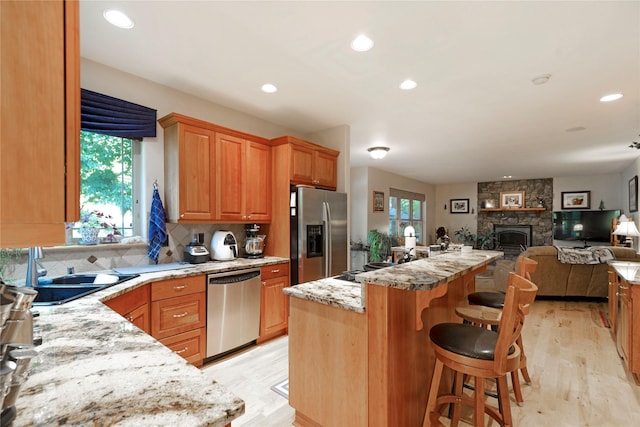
x,y
233,310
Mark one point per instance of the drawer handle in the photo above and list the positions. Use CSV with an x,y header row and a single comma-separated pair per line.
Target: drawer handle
x,y
182,351
180,287
181,315
276,270
130,319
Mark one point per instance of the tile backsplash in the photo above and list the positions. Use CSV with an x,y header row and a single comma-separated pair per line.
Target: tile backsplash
x,y
107,256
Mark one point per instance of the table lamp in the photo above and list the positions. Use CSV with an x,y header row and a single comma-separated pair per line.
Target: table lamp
x,y
410,240
626,227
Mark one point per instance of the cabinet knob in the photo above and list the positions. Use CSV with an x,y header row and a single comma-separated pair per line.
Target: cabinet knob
x,y
181,215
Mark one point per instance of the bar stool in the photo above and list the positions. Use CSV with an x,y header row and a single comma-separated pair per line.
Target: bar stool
x,y
485,309
480,353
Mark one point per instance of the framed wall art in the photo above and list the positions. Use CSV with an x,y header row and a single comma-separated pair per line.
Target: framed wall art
x,y
378,201
633,194
511,199
576,200
459,205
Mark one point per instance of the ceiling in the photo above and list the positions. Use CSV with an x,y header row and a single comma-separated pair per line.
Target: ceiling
x,y
475,115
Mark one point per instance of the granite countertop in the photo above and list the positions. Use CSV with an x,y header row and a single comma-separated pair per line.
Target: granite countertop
x,y
422,274
96,368
629,270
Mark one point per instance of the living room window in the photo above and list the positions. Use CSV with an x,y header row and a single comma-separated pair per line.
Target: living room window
x,y
406,208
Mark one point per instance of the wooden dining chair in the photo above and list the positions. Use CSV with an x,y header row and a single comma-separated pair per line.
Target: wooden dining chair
x,y
482,354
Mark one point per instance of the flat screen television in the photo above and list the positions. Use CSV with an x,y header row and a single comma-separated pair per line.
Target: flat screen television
x,y
592,226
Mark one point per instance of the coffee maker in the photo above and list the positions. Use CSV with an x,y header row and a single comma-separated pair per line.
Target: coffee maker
x,y
254,243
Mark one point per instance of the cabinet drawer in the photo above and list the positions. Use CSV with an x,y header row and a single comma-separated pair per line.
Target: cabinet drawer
x,y
177,287
191,345
175,315
277,270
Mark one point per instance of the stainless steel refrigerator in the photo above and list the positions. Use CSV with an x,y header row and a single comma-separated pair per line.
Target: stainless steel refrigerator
x,y
318,234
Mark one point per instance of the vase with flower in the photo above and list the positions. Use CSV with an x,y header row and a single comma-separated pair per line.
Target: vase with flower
x,y
90,224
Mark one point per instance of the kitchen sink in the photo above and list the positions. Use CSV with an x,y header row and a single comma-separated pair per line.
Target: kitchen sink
x,y
59,290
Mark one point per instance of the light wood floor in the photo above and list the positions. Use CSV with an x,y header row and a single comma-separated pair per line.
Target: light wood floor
x,y
578,377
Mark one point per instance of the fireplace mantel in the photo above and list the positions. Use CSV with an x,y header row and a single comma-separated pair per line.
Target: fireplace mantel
x,y
489,211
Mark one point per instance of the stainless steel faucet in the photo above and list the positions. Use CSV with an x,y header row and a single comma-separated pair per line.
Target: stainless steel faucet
x,y
34,268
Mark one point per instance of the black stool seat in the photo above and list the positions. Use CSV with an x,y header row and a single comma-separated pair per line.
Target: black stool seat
x,y
467,340
488,299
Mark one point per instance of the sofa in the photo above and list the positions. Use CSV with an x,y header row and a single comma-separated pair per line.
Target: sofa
x,y
557,279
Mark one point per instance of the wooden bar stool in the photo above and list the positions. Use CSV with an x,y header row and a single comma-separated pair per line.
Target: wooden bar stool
x,y
484,310
480,353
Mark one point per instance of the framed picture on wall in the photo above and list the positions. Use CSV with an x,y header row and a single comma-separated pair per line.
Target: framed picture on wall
x,y
378,201
511,199
576,199
459,206
633,194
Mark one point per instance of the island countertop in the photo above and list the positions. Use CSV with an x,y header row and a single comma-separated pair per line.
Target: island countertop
x,y
630,271
421,274
96,368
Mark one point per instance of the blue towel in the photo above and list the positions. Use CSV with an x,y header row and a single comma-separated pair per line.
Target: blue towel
x,y
157,226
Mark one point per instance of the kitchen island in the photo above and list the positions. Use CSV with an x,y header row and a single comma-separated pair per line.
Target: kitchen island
x,y
96,368
359,353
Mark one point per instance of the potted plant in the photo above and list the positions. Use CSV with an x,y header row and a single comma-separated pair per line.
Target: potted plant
x,y
487,240
90,224
465,236
379,246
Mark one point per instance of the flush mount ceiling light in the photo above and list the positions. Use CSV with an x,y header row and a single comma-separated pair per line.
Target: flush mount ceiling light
x,y
361,43
408,85
611,97
378,152
541,79
117,18
269,88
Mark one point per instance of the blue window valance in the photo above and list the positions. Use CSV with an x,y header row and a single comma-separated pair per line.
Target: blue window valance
x,y
112,116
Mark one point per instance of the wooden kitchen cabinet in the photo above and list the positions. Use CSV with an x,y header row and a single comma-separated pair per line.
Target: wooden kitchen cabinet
x,y
215,174
628,327
133,306
243,179
189,155
612,303
40,131
274,304
311,164
179,316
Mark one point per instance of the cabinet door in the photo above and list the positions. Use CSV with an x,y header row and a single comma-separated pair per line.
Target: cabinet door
x,y
196,160
190,345
39,135
258,182
274,304
302,159
230,177
624,326
140,317
613,300
325,170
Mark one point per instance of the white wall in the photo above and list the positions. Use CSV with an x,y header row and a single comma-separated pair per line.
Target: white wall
x,y
602,187
454,222
364,181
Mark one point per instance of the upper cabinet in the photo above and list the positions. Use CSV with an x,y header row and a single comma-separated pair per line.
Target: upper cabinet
x,y
310,164
215,174
243,180
40,131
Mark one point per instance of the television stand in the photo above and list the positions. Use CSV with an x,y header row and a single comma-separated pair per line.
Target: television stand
x,y
582,247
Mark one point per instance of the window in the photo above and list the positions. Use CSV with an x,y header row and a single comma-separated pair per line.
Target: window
x,y
406,208
106,180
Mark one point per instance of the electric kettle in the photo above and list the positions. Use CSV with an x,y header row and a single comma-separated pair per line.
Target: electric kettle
x,y
224,246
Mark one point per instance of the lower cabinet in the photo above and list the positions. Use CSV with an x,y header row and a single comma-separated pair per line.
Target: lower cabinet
x,y
133,306
274,304
179,316
612,305
628,327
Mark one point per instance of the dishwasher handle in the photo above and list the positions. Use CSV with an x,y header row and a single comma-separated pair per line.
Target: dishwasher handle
x,y
235,278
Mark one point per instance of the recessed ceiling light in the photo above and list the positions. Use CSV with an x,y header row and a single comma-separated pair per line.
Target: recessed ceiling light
x,y
361,43
117,18
408,85
507,176
611,97
269,88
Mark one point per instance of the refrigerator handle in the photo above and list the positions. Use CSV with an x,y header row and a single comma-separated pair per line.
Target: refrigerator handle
x,y
326,217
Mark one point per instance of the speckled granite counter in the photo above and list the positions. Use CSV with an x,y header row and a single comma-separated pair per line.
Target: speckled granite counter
x,y
422,274
95,368
630,271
